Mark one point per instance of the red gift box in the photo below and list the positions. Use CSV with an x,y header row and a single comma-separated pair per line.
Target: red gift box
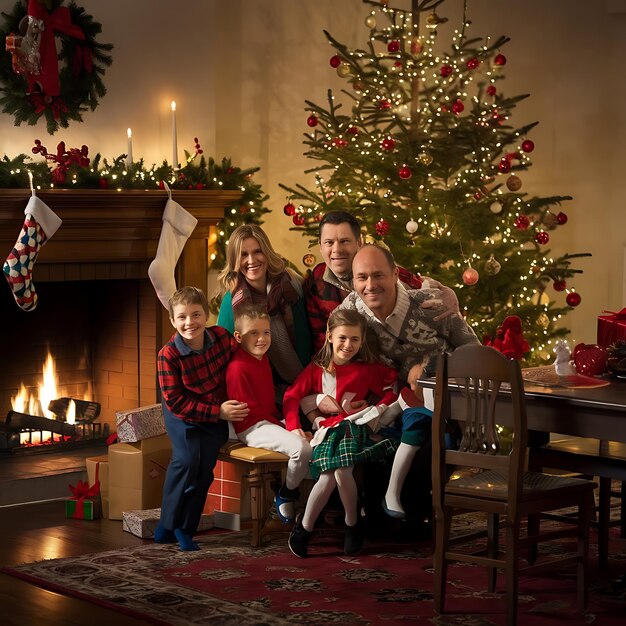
x,y
611,327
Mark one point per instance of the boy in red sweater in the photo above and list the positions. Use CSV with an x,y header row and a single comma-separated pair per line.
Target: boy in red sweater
x,y
249,380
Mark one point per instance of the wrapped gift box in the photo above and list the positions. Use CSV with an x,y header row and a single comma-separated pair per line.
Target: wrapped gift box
x,y
100,465
83,509
611,327
136,474
142,524
139,424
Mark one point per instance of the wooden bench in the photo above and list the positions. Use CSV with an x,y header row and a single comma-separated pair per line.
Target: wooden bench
x,y
258,466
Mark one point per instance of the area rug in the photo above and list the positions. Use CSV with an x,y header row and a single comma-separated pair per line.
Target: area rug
x,y
228,582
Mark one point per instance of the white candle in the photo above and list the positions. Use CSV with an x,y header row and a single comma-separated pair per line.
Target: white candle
x,y
129,156
174,140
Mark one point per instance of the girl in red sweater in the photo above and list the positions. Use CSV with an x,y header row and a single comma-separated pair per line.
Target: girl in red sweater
x,y
342,375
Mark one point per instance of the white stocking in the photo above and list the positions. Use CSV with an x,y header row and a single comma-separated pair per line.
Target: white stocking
x,y
178,225
401,465
346,486
318,498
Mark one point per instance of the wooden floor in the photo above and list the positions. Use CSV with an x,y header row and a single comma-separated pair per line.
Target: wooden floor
x,y
33,532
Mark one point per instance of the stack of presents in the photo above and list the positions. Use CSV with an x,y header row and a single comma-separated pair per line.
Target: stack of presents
x,y
127,483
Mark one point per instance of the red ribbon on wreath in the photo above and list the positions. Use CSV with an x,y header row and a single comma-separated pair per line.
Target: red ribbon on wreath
x,y
83,492
59,21
82,59
41,102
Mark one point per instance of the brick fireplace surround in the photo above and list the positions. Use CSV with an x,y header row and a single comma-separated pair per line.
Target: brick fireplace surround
x,y
97,311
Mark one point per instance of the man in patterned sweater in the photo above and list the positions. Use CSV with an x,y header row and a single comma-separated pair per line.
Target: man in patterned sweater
x,y
330,282
410,336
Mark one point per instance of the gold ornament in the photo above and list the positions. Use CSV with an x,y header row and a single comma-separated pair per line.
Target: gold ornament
x,y
425,158
514,182
492,267
309,260
370,21
543,320
343,70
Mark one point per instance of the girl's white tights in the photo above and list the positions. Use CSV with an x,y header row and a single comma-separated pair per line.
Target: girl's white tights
x,y
341,478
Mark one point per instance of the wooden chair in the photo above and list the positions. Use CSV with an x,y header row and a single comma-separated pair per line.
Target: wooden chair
x,y
590,457
496,483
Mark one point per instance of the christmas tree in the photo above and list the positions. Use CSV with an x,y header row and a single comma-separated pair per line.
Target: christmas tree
x,y
421,149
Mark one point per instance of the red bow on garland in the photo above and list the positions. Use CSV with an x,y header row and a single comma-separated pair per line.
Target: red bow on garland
x,y
59,21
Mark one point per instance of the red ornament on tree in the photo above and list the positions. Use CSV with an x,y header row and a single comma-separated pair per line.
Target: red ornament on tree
x,y
458,107
446,70
388,144
573,298
542,237
504,166
528,145
382,227
335,61
561,218
559,285
491,90
352,130
472,63
289,209
405,172
384,105
311,121
522,222
470,276
393,46
500,59
298,219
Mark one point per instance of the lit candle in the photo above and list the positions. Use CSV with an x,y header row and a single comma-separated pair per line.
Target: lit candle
x,y
174,140
129,156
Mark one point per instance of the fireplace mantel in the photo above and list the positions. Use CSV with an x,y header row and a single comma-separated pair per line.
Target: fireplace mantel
x,y
105,225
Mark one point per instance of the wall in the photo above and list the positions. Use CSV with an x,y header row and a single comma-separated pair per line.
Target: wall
x,y
240,72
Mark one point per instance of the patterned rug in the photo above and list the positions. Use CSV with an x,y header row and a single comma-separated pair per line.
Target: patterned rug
x,y
228,582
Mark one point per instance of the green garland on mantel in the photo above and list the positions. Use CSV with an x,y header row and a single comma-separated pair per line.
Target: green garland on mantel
x,y
74,170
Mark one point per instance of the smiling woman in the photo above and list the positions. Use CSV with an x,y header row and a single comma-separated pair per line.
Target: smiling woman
x,y
256,274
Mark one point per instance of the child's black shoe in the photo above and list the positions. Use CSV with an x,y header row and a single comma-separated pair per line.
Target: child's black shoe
x,y
299,540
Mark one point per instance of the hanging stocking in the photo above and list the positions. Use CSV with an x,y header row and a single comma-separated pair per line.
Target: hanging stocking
x,y
178,225
40,224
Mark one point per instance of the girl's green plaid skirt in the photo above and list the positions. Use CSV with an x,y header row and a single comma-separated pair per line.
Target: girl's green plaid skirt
x,y
348,444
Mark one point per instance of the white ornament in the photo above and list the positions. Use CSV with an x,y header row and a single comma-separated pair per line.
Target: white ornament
x,y
411,226
496,207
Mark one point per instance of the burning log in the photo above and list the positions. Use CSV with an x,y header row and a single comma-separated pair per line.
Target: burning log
x,y
85,411
21,421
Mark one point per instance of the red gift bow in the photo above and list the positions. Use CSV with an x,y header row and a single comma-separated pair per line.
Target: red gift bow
x,y
620,315
60,21
83,492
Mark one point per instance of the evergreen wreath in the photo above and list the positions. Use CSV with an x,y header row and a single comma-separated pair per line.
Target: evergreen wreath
x,y
72,82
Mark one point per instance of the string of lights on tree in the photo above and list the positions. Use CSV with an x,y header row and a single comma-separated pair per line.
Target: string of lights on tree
x,y
73,168
420,148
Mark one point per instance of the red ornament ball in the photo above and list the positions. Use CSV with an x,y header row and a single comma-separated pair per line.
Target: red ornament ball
x,y
573,298
472,63
470,276
458,107
542,237
446,70
298,219
405,172
528,145
382,227
504,166
289,209
384,105
522,222
559,285
311,121
561,218
352,130
335,61
491,90
388,144
393,46
500,59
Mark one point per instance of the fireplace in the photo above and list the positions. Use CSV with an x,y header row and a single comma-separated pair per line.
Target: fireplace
x,y
98,315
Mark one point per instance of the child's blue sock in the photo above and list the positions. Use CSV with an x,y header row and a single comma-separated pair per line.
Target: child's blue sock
x,y
163,535
185,541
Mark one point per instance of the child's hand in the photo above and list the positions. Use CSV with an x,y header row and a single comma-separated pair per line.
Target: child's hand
x,y
234,411
305,435
329,406
357,405
415,373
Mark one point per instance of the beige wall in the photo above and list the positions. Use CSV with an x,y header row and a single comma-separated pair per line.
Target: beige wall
x,y
241,70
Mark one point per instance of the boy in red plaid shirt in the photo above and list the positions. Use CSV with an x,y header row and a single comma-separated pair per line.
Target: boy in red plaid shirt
x,y
191,369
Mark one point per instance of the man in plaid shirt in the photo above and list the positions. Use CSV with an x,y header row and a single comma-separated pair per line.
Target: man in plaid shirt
x,y
192,377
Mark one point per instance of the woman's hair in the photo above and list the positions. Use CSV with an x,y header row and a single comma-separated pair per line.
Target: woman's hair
x,y
344,317
188,295
228,276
